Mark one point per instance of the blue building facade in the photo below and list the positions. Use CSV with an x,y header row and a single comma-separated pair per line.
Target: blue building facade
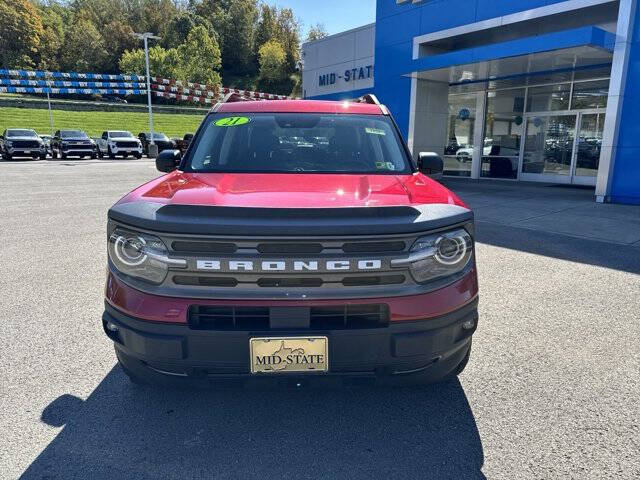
x,y
529,90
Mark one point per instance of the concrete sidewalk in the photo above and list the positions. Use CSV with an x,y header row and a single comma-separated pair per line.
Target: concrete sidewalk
x,y
566,210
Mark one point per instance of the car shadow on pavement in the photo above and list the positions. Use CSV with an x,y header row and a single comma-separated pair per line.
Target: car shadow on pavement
x,y
582,250
127,431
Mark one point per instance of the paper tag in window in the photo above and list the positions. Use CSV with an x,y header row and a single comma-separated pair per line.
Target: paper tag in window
x,y
374,131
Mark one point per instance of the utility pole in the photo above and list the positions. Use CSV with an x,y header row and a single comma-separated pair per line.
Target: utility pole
x,y
50,116
145,37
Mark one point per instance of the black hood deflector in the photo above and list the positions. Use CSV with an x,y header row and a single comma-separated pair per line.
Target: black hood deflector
x,y
215,220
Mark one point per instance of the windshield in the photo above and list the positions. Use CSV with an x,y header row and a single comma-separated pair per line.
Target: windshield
x,y
120,134
298,142
21,133
157,136
73,134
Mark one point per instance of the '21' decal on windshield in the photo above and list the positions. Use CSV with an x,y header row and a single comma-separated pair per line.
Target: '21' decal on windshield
x,y
231,121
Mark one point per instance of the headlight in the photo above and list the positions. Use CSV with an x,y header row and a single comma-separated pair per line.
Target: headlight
x,y
140,255
438,255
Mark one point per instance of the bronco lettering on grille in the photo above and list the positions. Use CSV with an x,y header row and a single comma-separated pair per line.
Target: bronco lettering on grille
x,y
287,265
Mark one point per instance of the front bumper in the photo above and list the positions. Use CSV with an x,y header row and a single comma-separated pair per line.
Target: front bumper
x,y
126,151
430,349
26,152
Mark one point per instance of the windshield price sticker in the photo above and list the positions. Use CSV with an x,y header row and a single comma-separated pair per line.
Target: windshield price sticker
x,y
374,131
231,121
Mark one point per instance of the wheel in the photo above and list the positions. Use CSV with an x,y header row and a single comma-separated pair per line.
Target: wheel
x,y
63,155
138,156
110,153
43,156
94,156
6,156
99,152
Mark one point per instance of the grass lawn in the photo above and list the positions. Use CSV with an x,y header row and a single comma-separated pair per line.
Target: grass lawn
x,y
94,123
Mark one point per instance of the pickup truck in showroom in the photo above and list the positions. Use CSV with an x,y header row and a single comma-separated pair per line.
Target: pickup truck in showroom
x,y
114,143
295,242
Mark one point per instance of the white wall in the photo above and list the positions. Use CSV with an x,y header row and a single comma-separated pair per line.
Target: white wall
x,y
332,60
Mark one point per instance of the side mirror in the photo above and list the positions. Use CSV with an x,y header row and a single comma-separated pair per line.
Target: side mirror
x,y
168,160
431,164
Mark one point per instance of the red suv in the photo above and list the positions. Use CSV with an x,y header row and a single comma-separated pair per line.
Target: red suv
x,y
295,241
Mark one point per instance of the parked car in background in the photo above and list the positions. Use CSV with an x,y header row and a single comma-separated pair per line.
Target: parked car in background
x,y
21,142
160,139
73,143
47,143
183,144
119,142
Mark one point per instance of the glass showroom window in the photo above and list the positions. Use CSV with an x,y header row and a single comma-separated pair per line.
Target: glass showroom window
x,y
502,133
549,98
590,94
458,150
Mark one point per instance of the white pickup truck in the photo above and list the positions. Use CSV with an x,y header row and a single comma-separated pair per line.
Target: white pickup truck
x,y
119,142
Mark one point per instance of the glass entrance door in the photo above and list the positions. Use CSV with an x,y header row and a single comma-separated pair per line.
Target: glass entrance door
x,y
562,147
548,148
588,148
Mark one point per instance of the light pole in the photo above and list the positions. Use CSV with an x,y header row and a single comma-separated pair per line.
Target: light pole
x,y
145,37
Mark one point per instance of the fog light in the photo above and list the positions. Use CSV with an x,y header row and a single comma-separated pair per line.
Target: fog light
x,y
112,327
469,324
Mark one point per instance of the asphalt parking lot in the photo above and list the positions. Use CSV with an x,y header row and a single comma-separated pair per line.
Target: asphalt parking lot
x,y
551,391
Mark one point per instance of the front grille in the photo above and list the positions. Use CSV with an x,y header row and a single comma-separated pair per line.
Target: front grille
x,y
25,144
335,317
290,282
127,144
204,247
265,267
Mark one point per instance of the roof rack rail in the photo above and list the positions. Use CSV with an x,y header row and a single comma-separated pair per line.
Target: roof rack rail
x,y
232,97
368,98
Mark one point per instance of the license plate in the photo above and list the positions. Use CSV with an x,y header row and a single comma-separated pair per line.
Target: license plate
x,y
27,151
289,354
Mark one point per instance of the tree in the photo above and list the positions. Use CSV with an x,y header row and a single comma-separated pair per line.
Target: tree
x,y
179,27
316,32
20,33
288,34
199,57
48,57
266,28
118,38
235,22
151,15
162,62
83,49
272,61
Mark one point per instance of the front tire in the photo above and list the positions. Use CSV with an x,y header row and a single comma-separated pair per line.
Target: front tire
x,y
110,153
6,156
138,156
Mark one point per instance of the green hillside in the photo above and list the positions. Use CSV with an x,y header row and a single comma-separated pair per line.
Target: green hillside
x,y
94,123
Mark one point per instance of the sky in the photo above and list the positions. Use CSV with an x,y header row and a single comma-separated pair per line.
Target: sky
x,y
336,15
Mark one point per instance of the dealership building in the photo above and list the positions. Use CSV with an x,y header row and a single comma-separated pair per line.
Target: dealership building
x,y
516,90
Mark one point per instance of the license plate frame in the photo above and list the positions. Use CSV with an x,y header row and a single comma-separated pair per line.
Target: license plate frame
x,y
281,355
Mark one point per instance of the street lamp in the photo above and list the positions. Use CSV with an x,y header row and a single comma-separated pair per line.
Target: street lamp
x,y
145,37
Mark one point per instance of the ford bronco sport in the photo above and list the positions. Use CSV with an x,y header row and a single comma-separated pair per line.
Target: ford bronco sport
x,y
295,242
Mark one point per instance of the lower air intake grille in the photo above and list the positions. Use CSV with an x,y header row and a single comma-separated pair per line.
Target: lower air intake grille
x,y
334,317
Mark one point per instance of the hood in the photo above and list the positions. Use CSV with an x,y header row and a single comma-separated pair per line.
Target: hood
x,y
267,190
20,139
124,139
76,139
290,204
